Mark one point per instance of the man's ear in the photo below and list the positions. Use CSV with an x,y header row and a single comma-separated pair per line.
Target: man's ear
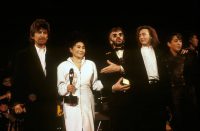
x,y
168,44
70,50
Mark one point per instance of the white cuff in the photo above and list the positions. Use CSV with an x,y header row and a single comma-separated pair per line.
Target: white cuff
x,y
97,85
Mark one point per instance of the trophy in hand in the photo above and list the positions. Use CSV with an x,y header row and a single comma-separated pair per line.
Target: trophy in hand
x,y
72,100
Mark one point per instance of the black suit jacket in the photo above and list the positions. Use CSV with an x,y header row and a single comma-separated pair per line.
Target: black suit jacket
x,y
29,79
144,95
148,101
117,98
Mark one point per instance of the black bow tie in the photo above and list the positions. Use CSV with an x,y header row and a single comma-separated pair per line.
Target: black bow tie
x,y
121,48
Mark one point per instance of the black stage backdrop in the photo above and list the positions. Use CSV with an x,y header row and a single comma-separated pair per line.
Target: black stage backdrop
x,y
94,19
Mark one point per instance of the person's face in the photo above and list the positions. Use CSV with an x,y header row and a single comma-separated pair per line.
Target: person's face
x,y
3,107
7,82
175,44
194,41
78,50
144,37
116,38
40,37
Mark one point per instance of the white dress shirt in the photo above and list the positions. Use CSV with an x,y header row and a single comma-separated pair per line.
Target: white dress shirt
x,y
150,62
41,53
120,54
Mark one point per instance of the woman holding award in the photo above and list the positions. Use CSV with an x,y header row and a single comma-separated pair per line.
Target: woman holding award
x,y
77,77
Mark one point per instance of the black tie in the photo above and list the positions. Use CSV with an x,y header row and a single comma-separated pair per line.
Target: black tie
x,y
120,48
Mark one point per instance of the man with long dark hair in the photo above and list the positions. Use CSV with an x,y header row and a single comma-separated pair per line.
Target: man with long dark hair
x,y
35,91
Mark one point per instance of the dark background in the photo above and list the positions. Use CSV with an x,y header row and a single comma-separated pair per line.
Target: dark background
x,y
94,18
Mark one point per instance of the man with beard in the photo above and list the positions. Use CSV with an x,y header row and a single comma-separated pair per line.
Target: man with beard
x,y
116,86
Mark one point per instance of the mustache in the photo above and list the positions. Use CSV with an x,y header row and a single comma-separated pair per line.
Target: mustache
x,y
43,38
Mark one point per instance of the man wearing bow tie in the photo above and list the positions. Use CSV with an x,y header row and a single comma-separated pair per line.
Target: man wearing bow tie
x,y
113,77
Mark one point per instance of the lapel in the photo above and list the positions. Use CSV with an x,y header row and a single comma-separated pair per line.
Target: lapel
x,y
141,66
36,61
48,59
158,59
115,58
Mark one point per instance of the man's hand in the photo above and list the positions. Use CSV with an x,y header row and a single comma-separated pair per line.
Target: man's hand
x,y
59,110
111,68
184,51
119,87
7,95
19,108
32,97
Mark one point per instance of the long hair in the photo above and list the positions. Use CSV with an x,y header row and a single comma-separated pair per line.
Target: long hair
x,y
152,32
37,25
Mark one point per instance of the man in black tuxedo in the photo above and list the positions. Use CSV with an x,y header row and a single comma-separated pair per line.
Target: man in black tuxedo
x,y
35,90
116,86
146,72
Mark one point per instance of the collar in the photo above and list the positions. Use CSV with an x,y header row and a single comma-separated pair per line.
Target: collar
x,y
40,49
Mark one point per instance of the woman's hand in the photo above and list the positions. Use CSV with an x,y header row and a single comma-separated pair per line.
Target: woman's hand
x,y
71,88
